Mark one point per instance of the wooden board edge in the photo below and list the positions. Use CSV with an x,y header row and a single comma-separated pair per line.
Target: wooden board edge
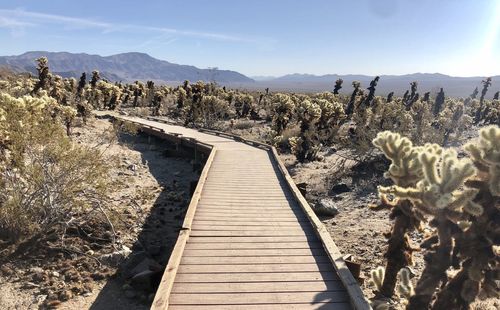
x,y
358,299
162,294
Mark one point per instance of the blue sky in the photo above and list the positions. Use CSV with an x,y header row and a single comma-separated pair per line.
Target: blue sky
x,y
266,37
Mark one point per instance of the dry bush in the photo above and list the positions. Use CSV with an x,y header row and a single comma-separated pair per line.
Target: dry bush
x,y
46,180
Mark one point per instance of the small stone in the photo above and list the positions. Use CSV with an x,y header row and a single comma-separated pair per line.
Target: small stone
x,y
66,295
143,280
29,285
326,207
40,298
340,188
55,274
36,270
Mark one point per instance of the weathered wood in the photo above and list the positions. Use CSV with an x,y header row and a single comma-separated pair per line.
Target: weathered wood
x,y
295,306
256,245
258,287
255,277
254,260
256,298
253,252
256,268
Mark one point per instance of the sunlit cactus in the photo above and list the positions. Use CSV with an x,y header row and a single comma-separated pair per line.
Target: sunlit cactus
x,y
282,111
461,196
377,277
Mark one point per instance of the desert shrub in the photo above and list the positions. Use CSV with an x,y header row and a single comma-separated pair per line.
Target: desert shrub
x,y
45,178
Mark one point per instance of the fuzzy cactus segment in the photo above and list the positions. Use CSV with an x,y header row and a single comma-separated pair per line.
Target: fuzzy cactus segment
x,y
405,167
486,152
443,176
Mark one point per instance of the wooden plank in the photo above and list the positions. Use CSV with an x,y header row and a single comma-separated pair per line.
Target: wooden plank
x,y
253,260
357,298
255,277
295,306
257,298
161,299
276,239
256,287
244,209
255,245
253,205
204,233
253,228
250,223
255,268
248,218
243,214
254,252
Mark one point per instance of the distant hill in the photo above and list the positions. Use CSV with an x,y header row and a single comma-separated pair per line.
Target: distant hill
x,y
125,67
129,67
453,86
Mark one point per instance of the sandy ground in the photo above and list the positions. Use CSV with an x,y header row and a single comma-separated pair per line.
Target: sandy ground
x,y
149,204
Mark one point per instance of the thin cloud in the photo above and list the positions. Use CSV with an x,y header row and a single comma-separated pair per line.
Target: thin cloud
x,y
22,18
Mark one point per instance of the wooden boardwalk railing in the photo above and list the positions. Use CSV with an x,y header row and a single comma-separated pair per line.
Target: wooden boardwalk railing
x,y
249,239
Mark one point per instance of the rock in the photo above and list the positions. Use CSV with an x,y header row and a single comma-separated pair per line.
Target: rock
x,y
66,295
326,207
55,274
36,270
340,188
141,267
154,250
29,285
129,294
40,298
144,280
114,259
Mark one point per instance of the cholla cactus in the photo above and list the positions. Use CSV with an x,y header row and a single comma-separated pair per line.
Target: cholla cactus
x,y
282,110
307,147
462,198
443,175
486,153
338,86
43,75
405,287
405,170
377,277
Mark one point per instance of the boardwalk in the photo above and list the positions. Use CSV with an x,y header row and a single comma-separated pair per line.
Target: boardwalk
x,y
247,241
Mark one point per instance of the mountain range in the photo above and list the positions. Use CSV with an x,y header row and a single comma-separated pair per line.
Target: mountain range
x,y
129,67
